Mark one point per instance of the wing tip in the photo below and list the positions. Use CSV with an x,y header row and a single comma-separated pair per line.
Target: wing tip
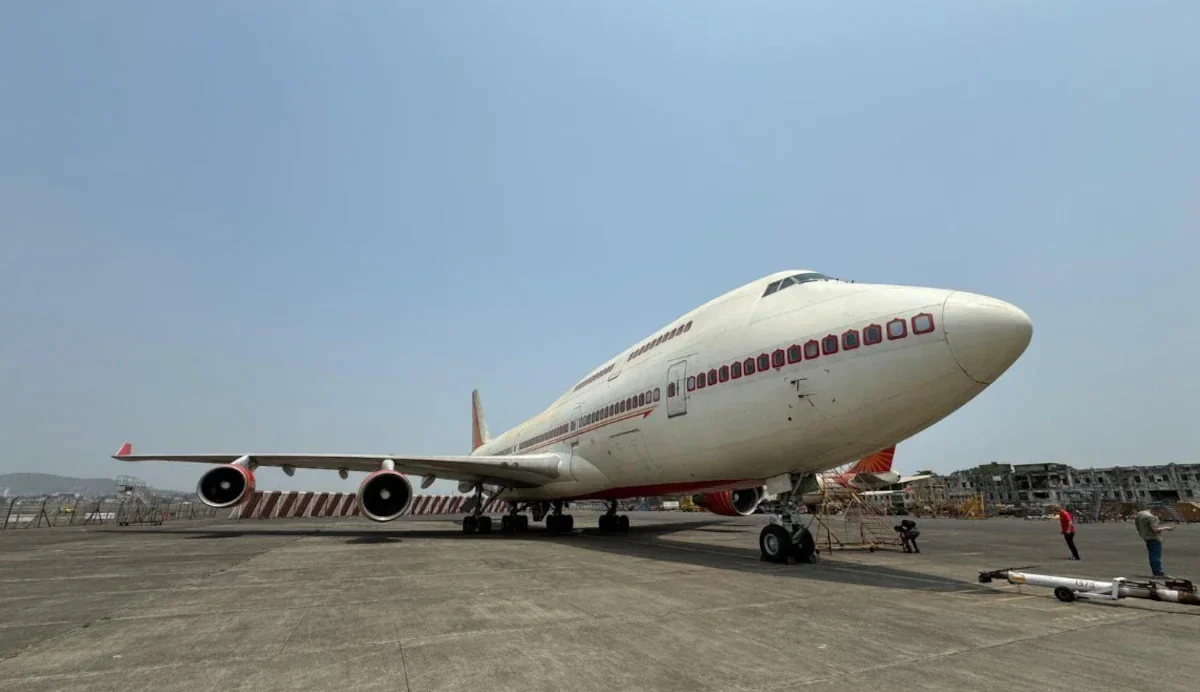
x,y
125,450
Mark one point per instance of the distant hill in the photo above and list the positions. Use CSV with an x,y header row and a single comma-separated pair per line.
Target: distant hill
x,y
37,484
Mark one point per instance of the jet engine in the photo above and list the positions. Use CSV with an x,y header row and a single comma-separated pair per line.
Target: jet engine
x,y
384,495
225,486
731,503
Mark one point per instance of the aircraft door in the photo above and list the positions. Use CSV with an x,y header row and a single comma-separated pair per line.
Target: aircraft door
x,y
677,389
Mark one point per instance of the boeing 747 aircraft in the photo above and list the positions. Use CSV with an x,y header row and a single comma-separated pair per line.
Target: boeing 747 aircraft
x,y
759,389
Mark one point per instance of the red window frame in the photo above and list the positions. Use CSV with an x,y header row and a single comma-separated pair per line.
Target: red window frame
x,y
723,373
712,377
777,358
748,367
764,362
903,325
691,383
867,334
814,352
914,323
825,344
795,354
700,381
846,344
735,370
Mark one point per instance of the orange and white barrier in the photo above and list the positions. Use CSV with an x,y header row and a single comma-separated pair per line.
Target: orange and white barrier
x,y
292,504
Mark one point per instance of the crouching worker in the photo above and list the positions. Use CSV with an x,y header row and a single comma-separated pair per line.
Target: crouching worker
x,y
908,535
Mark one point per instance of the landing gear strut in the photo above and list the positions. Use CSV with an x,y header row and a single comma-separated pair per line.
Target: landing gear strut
x,y
557,522
785,537
611,522
476,521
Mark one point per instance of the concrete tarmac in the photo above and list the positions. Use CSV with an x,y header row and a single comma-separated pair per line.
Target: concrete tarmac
x,y
682,602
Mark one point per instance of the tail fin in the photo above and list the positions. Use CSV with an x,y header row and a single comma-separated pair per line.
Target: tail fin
x,y
479,430
879,462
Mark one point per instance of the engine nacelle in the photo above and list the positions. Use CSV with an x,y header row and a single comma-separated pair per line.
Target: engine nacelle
x,y
384,495
731,503
226,486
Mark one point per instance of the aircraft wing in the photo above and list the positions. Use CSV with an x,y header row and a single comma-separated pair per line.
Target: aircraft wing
x,y
521,470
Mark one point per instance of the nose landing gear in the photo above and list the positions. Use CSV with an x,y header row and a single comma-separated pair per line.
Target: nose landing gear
x,y
785,537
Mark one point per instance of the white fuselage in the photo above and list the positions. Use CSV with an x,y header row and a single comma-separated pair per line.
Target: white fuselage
x,y
641,428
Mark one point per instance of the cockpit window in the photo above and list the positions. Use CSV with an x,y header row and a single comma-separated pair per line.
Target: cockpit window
x,y
777,286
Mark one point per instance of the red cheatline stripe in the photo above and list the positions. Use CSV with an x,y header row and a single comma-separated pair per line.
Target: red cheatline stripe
x,y
304,503
288,502
269,505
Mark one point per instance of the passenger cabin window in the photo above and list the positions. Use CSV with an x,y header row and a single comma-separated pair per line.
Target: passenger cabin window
x,y
712,376
922,323
829,344
656,393
812,349
748,366
764,363
793,353
723,373
777,358
850,340
897,329
873,334
691,383
735,370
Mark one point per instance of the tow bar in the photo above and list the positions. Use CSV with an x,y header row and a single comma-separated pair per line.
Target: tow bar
x,y
1067,589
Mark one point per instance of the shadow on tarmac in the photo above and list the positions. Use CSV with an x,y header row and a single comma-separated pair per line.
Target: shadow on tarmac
x,y
647,541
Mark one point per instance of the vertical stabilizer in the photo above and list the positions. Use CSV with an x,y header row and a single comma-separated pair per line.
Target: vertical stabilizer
x,y
479,430
879,462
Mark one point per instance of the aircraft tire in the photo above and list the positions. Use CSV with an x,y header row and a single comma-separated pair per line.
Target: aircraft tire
x,y
485,524
469,525
552,523
805,549
775,544
623,524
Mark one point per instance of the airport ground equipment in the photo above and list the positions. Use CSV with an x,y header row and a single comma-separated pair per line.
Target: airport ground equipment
x,y
1067,589
141,506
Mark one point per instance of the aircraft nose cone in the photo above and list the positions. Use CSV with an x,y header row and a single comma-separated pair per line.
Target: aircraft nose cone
x,y
985,335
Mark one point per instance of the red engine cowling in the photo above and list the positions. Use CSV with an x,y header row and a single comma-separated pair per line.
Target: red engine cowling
x,y
225,486
731,503
384,495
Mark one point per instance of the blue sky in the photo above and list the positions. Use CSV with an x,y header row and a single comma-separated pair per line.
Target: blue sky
x,y
316,226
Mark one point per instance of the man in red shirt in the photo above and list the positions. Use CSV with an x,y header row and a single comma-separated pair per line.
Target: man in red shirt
x,y
1067,522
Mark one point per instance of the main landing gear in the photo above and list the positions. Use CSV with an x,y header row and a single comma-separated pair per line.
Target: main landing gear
x,y
785,537
514,521
557,522
476,521
612,523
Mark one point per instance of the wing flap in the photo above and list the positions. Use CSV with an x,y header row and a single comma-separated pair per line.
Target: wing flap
x,y
526,470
